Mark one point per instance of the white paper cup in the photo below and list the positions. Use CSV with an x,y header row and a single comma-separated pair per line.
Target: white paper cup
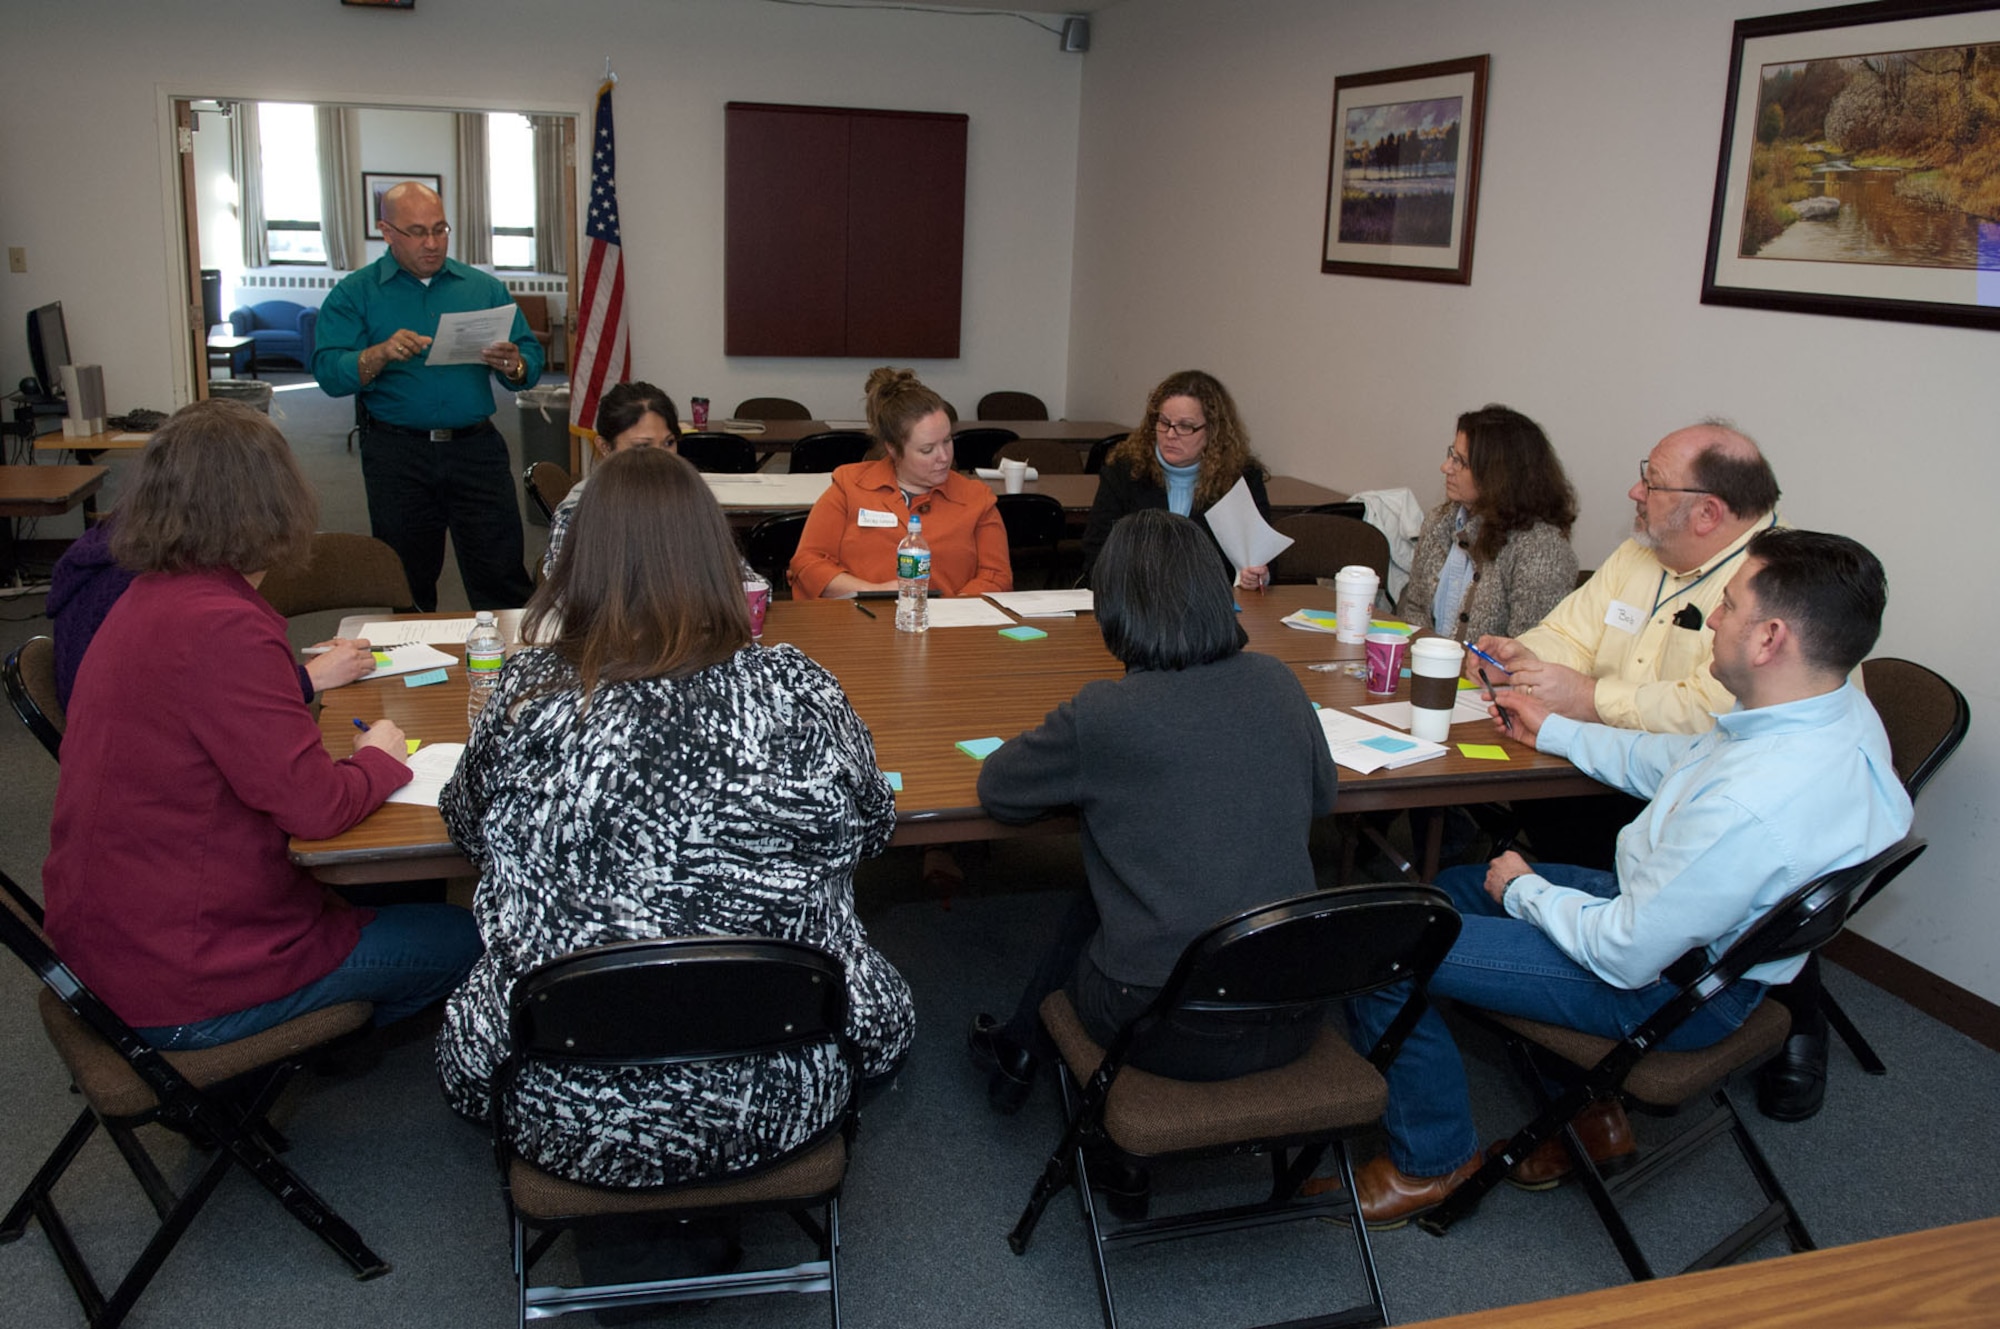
x,y
1014,474
1434,668
1354,599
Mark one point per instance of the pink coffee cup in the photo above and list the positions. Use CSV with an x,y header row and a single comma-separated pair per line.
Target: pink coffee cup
x,y
1388,652
758,592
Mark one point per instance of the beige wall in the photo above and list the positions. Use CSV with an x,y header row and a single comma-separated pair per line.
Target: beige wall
x,y
96,217
1202,175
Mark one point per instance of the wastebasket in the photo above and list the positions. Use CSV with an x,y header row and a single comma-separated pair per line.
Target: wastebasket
x,y
254,393
544,431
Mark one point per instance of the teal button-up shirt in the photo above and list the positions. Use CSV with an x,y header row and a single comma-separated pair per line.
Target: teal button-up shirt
x,y
373,303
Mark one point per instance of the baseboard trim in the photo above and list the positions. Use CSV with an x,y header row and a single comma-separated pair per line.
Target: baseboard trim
x,y
1942,1000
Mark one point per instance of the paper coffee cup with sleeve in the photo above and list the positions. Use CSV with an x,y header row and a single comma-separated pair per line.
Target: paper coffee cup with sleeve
x,y
1434,668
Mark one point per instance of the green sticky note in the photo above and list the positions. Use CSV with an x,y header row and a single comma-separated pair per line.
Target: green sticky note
x,y
979,749
1467,685
382,659
1483,751
895,779
1023,633
1389,625
424,679
411,745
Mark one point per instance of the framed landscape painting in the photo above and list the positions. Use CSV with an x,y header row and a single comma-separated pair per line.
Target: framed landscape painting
x,y
1402,186
1860,164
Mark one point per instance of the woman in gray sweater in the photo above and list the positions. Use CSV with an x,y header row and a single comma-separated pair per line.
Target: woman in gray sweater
x,y
1495,556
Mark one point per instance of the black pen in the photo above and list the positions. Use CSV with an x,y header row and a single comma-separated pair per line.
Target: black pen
x,y
1506,721
864,609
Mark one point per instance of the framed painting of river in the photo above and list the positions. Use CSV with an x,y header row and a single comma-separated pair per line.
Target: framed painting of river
x,y
1402,183
1860,165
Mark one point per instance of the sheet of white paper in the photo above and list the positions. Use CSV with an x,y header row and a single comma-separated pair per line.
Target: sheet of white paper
x,y
431,765
461,337
436,631
995,473
130,438
966,612
1469,707
1241,530
408,657
759,490
1043,604
1348,738
859,426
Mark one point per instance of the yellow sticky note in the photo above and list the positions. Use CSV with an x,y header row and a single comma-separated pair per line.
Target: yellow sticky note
x,y
1483,751
1467,685
383,659
412,744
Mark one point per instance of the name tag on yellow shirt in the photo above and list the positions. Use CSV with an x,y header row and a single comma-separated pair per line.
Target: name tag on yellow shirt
x,y
1624,617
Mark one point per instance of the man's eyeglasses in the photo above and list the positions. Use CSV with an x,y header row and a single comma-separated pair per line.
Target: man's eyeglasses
x,y
441,231
1452,460
1645,478
1179,428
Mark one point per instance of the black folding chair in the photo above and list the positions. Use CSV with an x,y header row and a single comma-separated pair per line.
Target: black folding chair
x,y
666,1003
1636,1072
720,454
1099,450
217,1097
769,547
30,680
976,445
1035,524
1311,950
819,453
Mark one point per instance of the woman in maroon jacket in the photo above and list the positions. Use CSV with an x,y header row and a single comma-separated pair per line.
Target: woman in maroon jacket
x,y
190,760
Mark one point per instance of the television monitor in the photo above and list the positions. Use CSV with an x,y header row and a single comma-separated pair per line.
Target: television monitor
x,y
48,346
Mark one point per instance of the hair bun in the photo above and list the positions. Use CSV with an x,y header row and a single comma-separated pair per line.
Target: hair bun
x,y
888,379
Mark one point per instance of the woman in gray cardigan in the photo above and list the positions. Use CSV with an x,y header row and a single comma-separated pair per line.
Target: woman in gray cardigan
x,y
1495,556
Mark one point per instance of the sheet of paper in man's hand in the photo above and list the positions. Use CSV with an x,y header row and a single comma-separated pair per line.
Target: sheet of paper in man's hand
x,y
1241,530
461,337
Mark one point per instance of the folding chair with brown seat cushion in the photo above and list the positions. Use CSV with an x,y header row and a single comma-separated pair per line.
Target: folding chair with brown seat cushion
x,y
1323,544
1663,1083
721,454
1317,949
1012,406
30,677
340,571
217,1097
1046,455
548,485
771,408
1926,719
675,1002
1035,524
819,453
769,547
976,445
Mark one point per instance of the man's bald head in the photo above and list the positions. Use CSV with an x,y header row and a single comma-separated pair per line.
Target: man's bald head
x,y
411,196
1727,463
414,227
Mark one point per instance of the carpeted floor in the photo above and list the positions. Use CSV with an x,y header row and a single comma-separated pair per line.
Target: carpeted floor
x,y
936,1180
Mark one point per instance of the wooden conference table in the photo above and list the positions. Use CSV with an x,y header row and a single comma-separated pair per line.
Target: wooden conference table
x,y
920,695
40,491
779,435
763,494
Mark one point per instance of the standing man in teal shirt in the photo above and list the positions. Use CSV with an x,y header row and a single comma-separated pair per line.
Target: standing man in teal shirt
x,y
431,459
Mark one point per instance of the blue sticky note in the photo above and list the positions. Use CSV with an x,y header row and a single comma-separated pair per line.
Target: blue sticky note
x,y
895,779
1023,633
423,680
979,749
1385,743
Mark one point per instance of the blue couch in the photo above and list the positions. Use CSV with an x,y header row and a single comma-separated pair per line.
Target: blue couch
x,y
281,330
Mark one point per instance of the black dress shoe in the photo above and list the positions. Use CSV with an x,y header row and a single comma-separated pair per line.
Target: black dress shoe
x,y
1012,1066
1792,1085
1125,1184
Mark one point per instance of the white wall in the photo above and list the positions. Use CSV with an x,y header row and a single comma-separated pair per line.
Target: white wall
x,y
101,235
1202,170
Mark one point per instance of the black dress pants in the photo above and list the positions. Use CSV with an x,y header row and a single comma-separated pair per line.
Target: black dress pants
x,y
419,489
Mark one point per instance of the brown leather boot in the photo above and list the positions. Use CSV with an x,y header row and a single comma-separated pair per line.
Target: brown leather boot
x,y
1389,1197
1606,1135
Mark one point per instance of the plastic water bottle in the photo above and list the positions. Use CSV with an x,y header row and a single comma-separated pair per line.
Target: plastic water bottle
x,y
913,580
484,654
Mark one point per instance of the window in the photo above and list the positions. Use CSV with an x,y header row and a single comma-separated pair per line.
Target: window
x,y
291,182
510,184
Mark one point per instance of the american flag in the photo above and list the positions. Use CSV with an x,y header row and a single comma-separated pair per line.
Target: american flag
x,y
603,355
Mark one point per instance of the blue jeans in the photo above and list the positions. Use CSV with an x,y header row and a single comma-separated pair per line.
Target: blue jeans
x,y
1509,965
409,956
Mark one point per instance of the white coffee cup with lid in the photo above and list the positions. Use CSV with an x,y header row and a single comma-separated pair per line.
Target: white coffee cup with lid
x,y
1434,666
1354,599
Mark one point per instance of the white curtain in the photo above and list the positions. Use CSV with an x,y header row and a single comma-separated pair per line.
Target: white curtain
x,y
551,225
341,223
472,215
246,147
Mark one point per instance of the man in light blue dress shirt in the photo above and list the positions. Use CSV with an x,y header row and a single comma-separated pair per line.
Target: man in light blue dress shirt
x,y
1793,783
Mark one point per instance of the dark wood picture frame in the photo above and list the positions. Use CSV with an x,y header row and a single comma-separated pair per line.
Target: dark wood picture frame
x,y
1885,219
1422,233
374,184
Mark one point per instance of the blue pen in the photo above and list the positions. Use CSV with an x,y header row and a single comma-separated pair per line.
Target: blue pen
x,y
358,725
1487,658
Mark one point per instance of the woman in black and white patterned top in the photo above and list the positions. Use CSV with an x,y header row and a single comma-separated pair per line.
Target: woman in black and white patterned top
x,y
655,774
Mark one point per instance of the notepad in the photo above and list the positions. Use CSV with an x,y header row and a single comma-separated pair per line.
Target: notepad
x,y
1363,746
1023,633
406,658
424,680
1484,751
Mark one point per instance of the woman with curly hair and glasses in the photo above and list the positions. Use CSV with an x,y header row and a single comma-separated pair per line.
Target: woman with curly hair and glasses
x,y
1188,451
